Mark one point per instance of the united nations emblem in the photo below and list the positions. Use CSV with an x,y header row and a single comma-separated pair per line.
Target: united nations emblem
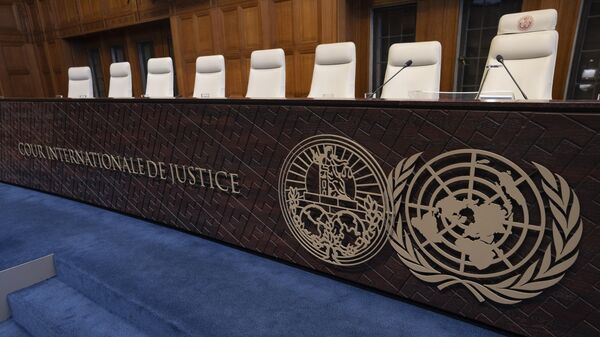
x,y
474,218
334,199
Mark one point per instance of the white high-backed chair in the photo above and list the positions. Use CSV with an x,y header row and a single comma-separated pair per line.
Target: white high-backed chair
x,y
267,74
527,41
210,77
423,74
159,83
80,83
334,71
120,80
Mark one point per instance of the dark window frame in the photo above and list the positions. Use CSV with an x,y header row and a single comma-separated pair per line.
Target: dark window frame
x,y
381,42
143,59
464,79
117,54
95,62
578,51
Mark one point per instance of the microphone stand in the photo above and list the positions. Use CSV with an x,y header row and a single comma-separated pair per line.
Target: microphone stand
x,y
485,74
406,65
500,59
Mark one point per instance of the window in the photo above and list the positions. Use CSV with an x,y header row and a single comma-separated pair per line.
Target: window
x,y
585,72
479,25
117,54
145,52
390,25
96,67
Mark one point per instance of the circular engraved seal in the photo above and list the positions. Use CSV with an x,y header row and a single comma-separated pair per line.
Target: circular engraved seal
x,y
475,214
473,218
525,22
334,199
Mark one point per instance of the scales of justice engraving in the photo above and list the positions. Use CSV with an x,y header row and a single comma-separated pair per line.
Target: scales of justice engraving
x,y
334,199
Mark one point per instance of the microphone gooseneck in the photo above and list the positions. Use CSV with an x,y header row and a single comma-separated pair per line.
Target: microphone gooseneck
x,y
500,59
406,65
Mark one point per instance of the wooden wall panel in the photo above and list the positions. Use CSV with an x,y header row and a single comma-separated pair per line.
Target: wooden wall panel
x,y
290,73
251,28
358,29
45,73
66,14
45,14
152,10
333,29
240,27
7,18
304,69
116,8
20,74
283,23
307,16
91,10
14,61
187,46
233,84
438,20
19,70
194,32
231,29
568,12
203,34
237,27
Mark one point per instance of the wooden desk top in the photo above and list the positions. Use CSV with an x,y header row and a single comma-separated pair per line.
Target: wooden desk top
x,y
531,105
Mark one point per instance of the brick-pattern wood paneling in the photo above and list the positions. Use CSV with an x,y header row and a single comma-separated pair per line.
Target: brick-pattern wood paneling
x,y
253,137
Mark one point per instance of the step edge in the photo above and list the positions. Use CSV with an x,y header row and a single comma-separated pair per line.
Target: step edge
x,y
118,294
33,311
23,276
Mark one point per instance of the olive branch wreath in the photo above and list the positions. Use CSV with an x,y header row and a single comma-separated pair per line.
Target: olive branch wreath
x,y
545,272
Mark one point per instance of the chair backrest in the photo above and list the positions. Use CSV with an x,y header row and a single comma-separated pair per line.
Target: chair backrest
x,y
527,41
334,71
267,74
120,80
159,83
210,77
80,82
423,74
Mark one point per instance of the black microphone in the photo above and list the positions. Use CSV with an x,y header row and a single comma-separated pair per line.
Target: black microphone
x,y
500,59
406,65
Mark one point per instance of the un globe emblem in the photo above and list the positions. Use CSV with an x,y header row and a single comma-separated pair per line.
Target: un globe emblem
x,y
474,218
334,199
475,213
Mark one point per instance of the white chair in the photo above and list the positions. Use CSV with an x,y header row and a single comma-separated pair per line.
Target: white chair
x,y
527,41
334,71
267,74
423,74
80,83
120,80
159,83
210,77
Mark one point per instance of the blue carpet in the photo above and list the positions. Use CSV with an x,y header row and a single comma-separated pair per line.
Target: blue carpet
x,y
167,283
52,309
11,329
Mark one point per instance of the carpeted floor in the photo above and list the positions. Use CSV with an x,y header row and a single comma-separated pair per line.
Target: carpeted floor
x,y
167,283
